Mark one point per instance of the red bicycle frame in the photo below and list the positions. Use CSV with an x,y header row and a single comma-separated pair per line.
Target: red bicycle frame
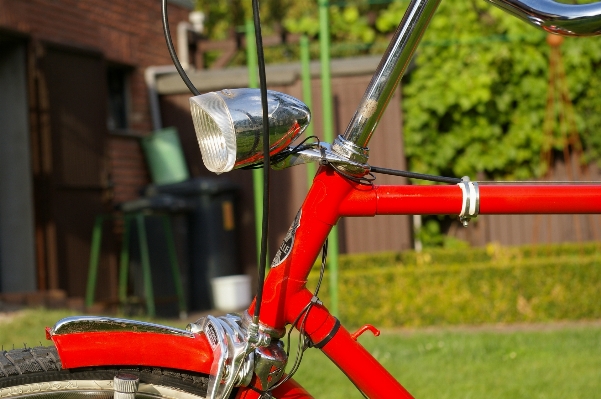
x,y
286,296
331,197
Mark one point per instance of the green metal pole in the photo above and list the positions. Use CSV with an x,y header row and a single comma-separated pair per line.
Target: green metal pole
x,y
145,260
253,82
124,261
306,79
328,131
94,258
175,271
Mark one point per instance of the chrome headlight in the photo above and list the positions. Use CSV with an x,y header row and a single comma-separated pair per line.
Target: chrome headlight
x,y
229,126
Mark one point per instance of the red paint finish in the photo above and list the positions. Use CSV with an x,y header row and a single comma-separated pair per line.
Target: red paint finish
x,y
418,200
288,390
130,348
494,199
367,327
402,200
331,197
362,368
534,199
285,293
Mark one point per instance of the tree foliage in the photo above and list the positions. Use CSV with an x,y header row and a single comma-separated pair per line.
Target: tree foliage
x,y
475,102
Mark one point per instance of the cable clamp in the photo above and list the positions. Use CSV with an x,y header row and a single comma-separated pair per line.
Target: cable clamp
x,y
470,207
323,156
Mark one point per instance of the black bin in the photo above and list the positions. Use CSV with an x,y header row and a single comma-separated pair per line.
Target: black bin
x,y
211,233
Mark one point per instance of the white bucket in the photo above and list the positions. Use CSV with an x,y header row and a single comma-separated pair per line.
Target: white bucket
x,y
231,293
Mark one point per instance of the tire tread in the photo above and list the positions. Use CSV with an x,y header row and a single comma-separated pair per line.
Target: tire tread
x,y
29,365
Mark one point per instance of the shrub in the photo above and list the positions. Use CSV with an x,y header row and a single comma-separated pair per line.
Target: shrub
x,y
489,285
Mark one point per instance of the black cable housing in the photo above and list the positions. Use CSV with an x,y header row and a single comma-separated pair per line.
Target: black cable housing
x,y
172,53
266,159
413,175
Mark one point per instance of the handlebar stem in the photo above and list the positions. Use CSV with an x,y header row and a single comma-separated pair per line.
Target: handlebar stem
x,y
390,71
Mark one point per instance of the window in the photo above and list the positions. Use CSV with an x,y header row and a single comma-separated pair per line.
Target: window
x,y
118,98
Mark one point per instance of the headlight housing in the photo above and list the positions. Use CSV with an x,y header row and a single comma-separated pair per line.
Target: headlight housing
x,y
229,126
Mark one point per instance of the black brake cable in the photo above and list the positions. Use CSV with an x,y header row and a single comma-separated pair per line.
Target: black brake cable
x,y
280,156
172,53
413,175
266,160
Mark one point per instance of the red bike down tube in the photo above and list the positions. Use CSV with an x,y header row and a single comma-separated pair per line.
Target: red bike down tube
x,y
285,294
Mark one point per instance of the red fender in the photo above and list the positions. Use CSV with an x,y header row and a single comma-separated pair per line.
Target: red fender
x,y
100,341
88,341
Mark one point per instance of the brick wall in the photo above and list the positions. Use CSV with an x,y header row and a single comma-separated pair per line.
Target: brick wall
x,y
127,32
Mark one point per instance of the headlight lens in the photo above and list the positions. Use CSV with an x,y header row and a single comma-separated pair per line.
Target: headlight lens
x,y
214,131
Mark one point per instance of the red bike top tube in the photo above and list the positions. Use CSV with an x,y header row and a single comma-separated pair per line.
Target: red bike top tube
x,y
332,196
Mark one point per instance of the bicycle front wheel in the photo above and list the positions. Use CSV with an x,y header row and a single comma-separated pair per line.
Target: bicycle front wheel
x,y
36,373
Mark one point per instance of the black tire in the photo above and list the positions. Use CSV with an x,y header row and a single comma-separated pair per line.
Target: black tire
x,y
37,373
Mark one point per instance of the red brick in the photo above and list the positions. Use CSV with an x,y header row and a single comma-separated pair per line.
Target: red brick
x,y
124,31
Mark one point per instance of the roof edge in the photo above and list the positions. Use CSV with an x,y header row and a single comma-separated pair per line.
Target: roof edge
x,y
277,75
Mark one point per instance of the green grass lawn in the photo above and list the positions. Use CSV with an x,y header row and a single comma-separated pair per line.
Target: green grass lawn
x,y
28,326
534,364
529,362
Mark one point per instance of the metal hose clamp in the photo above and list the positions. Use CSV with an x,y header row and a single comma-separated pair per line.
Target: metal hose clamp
x,y
470,206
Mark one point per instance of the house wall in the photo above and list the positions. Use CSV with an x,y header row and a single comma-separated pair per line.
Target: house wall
x,y
17,261
65,139
127,33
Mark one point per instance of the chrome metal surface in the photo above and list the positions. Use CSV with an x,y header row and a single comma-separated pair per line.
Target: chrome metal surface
x,y
388,75
346,149
563,19
194,328
124,382
470,206
125,386
233,359
274,333
236,359
237,115
270,362
321,153
87,389
88,324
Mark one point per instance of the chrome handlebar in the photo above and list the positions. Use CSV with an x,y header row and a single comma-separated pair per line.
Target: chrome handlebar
x,y
563,19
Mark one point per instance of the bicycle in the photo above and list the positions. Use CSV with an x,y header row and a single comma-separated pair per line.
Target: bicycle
x,y
243,355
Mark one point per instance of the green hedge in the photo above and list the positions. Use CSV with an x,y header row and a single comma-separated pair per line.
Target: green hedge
x,y
524,284
491,253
